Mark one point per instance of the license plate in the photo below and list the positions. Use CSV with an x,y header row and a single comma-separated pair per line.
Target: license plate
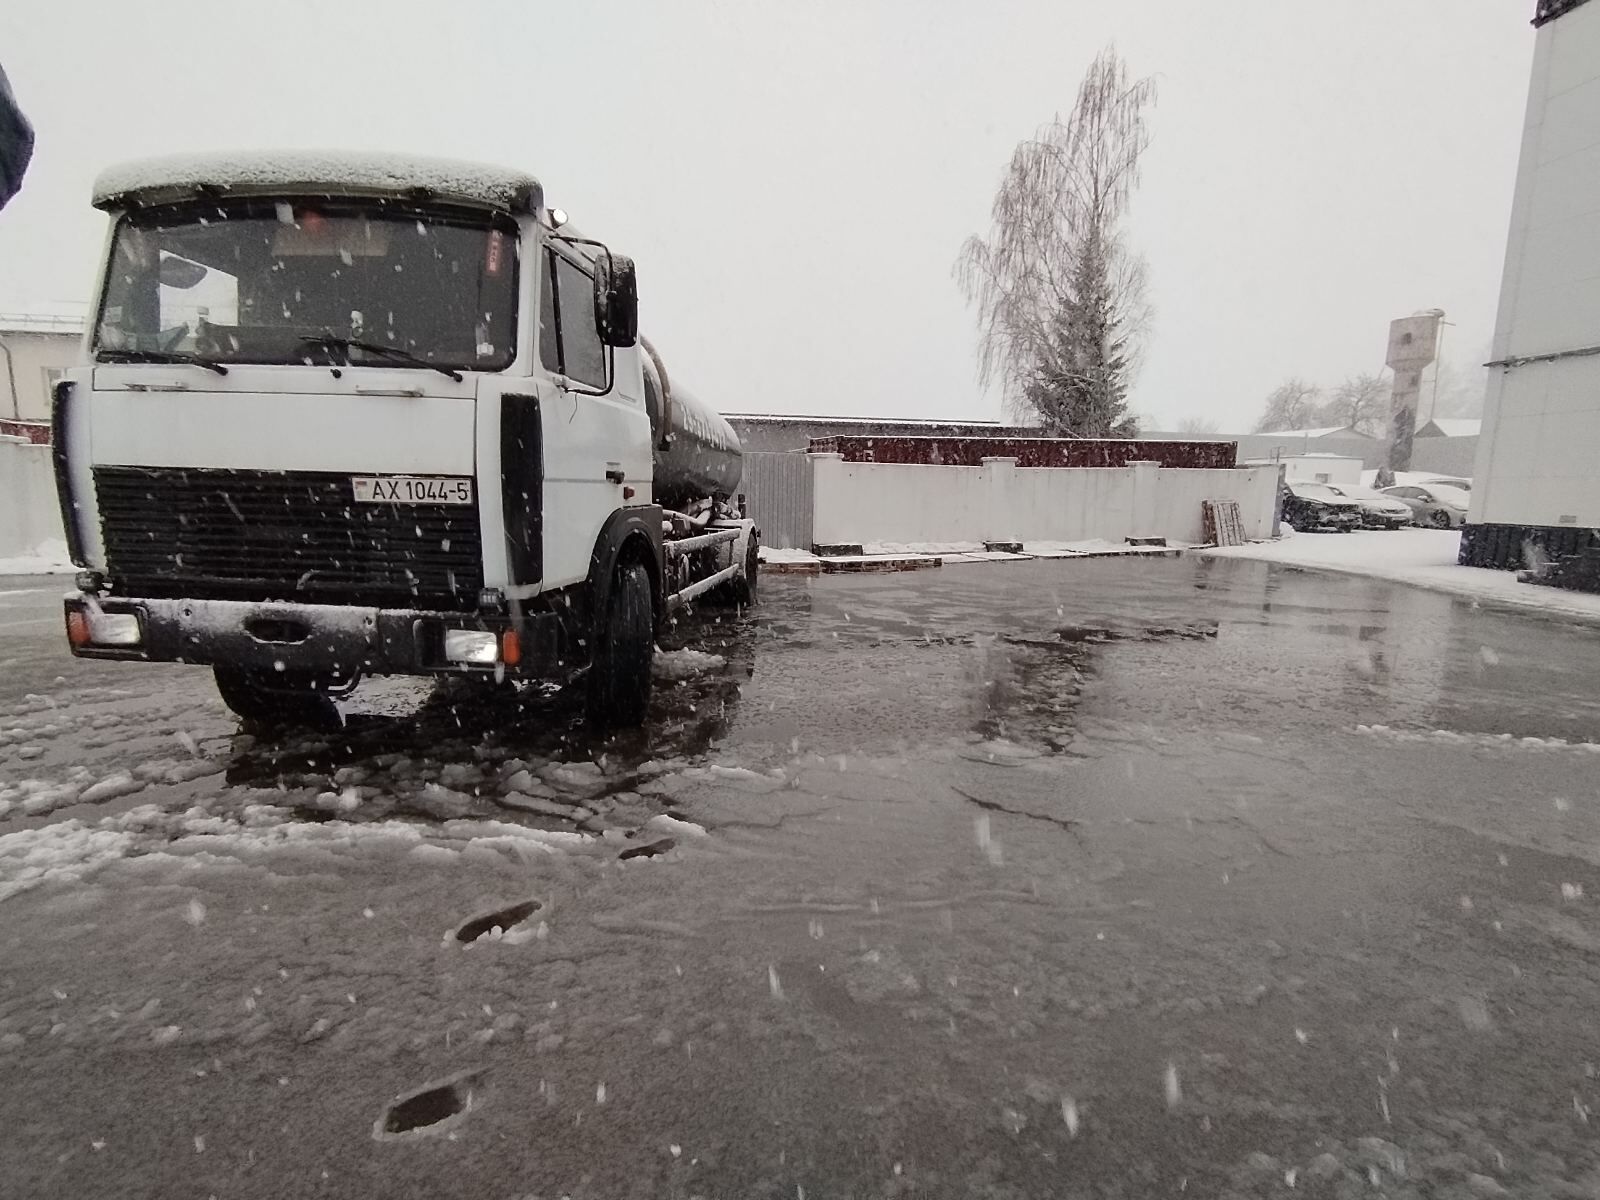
x,y
411,489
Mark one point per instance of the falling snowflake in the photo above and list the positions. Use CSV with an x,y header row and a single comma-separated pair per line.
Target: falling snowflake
x,y
1069,1115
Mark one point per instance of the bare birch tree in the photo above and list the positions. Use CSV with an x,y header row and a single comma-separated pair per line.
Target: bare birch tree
x,y
1060,296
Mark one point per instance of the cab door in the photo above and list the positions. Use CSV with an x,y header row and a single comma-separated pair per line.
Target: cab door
x,y
596,447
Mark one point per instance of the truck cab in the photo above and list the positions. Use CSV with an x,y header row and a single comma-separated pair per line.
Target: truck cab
x,y
343,415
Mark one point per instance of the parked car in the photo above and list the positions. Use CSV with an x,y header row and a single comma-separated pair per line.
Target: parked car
x,y
1437,505
1377,510
1314,506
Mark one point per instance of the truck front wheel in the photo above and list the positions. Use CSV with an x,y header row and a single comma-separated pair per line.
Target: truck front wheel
x,y
273,699
619,673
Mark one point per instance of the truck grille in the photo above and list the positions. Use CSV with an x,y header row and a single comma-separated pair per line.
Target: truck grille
x,y
282,535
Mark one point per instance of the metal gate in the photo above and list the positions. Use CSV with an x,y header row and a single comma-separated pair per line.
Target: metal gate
x,y
778,490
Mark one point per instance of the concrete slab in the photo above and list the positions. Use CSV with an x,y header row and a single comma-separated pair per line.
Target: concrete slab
x,y
866,563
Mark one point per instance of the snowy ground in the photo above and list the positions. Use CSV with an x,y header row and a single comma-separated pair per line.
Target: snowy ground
x,y
1186,876
953,553
1420,557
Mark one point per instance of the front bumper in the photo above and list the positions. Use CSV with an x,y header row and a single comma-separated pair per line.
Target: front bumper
x,y
1377,519
324,640
1325,518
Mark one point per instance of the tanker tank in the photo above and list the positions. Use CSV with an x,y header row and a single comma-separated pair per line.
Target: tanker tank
x,y
697,454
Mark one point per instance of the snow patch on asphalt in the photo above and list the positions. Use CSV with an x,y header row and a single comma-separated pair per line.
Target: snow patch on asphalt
x,y
674,665
1487,741
778,554
262,835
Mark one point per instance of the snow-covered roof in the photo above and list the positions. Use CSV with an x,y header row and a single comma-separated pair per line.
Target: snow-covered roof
x,y
785,418
62,316
1453,427
318,172
1330,431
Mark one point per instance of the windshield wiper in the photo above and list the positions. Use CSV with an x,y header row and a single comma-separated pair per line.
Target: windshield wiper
x,y
334,342
160,356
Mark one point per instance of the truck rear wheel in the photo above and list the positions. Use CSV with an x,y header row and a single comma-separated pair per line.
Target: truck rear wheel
x,y
744,587
740,591
271,698
619,673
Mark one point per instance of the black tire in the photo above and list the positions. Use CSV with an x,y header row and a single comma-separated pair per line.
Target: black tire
x,y
273,699
624,645
739,592
1440,519
743,589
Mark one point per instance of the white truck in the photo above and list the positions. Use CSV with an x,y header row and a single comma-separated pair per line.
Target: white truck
x,y
349,414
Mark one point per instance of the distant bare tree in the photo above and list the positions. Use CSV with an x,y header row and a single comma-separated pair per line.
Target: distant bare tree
x,y
1361,401
1060,296
1293,404
1199,426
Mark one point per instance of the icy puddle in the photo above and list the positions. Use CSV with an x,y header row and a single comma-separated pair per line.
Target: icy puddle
x,y
1183,879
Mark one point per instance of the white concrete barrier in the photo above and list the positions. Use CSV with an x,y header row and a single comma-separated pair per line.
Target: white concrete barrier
x,y
30,514
858,502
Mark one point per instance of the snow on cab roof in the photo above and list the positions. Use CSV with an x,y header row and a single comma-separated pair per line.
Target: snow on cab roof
x,y
319,172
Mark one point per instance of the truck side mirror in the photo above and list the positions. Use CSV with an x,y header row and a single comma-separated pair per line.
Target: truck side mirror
x,y
616,300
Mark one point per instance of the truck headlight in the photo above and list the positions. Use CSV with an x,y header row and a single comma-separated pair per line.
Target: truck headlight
x,y
113,629
471,646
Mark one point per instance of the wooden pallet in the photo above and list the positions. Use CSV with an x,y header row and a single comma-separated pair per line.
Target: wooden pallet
x,y
1223,524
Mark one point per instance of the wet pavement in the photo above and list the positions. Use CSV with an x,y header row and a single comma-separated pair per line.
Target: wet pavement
x,y
1112,879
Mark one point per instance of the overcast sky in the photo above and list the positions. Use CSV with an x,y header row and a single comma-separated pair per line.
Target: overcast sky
x,y
795,178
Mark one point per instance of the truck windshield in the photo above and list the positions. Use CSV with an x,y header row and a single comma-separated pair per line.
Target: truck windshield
x,y
290,281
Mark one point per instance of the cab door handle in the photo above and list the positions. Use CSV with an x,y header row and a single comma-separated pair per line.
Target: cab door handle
x,y
615,474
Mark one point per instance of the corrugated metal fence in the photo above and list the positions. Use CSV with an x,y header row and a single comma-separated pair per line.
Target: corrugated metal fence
x,y
777,488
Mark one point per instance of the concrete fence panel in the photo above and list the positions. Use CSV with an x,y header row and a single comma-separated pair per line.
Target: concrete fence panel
x,y
896,502
29,511
1179,493
858,502
1067,504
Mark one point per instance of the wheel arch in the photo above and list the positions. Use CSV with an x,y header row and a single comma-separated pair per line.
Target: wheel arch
x,y
629,535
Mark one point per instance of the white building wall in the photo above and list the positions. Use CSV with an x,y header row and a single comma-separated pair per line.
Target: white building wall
x,y
34,356
892,502
1321,468
30,513
1536,460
